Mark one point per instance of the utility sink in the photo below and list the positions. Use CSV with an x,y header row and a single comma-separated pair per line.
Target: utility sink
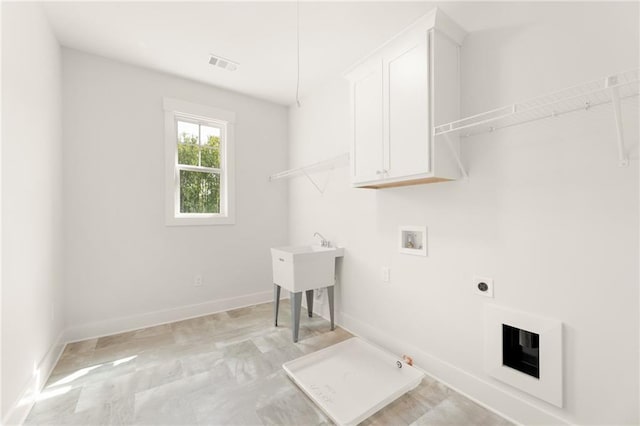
x,y
302,268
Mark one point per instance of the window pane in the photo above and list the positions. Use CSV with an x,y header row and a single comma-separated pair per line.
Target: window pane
x,y
210,157
188,154
210,146
187,132
188,143
210,135
199,192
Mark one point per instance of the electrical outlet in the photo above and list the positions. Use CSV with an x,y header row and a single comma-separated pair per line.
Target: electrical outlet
x,y
318,293
197,282
386,274
483,286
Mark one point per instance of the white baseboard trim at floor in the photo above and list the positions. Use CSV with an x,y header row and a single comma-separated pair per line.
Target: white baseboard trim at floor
x,y
134,322
18,412
490,396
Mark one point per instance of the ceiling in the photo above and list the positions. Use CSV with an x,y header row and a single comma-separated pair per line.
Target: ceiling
x,y
177,38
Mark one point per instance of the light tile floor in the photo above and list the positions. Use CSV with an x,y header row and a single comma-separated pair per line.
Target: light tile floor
x,y
220,369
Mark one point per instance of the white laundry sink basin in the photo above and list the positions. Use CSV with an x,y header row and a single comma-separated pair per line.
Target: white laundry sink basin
x,y
302,268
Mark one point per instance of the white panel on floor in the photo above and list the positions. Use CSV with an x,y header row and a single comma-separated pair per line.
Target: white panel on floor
x,y
353,379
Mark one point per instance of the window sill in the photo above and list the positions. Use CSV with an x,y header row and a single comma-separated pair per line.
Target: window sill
x,y
199,220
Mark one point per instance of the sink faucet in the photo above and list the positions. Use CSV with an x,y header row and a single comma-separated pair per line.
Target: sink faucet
x,y
323,241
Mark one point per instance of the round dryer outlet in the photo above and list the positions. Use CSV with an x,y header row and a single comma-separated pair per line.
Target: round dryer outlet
x,y
483,286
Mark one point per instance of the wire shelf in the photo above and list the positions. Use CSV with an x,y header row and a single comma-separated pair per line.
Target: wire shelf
x,y
582,97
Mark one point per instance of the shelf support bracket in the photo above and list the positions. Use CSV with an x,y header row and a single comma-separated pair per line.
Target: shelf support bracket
x,y
456,155
617,113
320,190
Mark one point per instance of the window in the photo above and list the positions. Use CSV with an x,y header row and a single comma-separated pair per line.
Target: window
x,y
199,164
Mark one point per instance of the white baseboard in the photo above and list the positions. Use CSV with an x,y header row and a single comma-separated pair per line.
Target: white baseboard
x,y
19,411
134,322
485,393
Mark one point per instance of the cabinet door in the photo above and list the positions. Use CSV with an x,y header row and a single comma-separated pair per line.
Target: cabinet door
x,y
367,124
407,118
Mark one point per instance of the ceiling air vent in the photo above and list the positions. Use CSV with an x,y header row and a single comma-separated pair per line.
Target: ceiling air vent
x,y
224,63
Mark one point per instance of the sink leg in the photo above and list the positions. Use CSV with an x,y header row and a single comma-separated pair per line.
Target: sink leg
x,y
310,302
296,304
330,295
276,303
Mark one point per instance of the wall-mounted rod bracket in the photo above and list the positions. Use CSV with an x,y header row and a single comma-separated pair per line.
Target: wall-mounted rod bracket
x,y
328,165
320,190
456,155
611,83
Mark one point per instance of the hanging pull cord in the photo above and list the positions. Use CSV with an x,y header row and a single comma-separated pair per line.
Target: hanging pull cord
x,y
298,52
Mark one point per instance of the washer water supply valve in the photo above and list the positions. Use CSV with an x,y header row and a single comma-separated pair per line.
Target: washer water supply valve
x,y
407,359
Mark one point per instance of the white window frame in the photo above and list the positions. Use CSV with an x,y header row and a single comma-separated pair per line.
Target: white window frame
x,y
174,110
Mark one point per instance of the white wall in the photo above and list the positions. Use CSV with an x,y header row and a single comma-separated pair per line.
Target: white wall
x,y
31,205
546,212
124,267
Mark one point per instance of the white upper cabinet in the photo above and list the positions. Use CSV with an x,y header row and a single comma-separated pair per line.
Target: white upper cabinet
x,y
367,121
396,94
406,88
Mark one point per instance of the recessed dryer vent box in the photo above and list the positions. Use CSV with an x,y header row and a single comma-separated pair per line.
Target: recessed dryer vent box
x,y
524,351
413,240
